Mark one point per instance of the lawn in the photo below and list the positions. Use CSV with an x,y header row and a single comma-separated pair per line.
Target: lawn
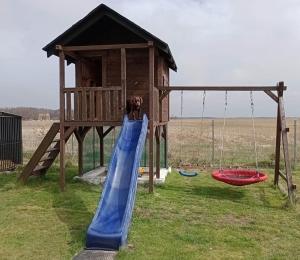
x,y
187,218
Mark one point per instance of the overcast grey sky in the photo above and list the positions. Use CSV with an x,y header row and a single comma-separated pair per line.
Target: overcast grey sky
x,y
213,42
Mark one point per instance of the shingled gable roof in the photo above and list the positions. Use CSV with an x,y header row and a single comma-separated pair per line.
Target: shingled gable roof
x,y
95,16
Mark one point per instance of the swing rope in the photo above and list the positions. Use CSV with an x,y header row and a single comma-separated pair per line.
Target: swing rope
x,y
181,171
223,130
253,130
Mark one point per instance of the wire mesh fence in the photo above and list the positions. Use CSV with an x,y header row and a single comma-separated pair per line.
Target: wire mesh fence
x,y
199,142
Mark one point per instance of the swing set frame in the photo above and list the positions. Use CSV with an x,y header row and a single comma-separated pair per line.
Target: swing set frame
x,y
276,94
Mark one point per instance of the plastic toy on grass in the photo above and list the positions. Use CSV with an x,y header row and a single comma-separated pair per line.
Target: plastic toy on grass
x,y
187,174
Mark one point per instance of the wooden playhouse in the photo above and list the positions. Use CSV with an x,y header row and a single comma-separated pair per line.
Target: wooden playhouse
x,y
114,59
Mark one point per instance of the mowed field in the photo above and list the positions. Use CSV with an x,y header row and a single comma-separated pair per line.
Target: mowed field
x,y
186,218
198,142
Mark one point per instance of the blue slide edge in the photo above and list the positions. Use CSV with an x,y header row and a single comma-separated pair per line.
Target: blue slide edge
x,y
109,227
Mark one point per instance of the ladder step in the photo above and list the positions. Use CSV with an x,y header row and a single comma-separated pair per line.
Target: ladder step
x,y
52,149
47,159
56,140
39,168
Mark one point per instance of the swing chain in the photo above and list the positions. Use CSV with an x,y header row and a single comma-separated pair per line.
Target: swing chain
x,y
253,129
181,118
202,119
223,129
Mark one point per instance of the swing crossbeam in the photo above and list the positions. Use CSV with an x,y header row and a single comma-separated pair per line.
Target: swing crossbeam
x,y
220,88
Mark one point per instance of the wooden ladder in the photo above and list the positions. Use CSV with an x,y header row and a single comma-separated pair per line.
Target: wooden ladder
x,y
45,154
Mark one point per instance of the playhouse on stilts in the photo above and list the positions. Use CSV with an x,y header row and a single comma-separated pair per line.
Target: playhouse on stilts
x,y
116,60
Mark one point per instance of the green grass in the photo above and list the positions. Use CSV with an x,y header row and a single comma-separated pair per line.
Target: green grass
x,y
187,218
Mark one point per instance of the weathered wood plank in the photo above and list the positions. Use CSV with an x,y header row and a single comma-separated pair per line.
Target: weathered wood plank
x,y
123,78
271,95
93,123
104,70
151,125
288,170
278,144
105,47
69,108
101,137
76,106
98,88
84,104
62,119
92,105
157,137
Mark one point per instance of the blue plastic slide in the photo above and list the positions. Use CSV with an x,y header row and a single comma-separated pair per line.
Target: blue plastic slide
x,y
109,227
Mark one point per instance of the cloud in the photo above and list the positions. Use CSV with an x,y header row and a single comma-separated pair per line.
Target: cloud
x,y
213,42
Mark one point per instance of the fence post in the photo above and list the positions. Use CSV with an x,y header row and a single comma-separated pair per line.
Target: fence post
x,y
212,142
295,144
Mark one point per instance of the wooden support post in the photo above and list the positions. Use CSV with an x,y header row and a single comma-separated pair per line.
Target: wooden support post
x,y
62,119
80,150
94,151
212,142
101,137
80,134
151,114
278,141
123,79
80,156
295,144
165,133
284,131
157,138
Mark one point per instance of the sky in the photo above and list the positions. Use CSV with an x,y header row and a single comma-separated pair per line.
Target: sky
x,y
228,42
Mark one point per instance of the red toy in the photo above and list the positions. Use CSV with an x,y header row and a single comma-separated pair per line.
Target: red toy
x,y
239,177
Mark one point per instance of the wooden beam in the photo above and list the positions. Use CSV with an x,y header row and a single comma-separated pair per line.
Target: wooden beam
x,y
74,56
283,176
123,78
151,114
104,71
164,93
278,144
80,134
62,119
105,47
160,81
157,138
219,88
108,131
80,155
96,88
272,95
284,132
101,147
165,135
69,131
160,123
92,123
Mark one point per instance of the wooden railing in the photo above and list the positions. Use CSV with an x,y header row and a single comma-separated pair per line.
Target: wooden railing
x,y
93,104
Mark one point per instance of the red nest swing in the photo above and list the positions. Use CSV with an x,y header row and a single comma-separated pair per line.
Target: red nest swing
x,y
239,177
